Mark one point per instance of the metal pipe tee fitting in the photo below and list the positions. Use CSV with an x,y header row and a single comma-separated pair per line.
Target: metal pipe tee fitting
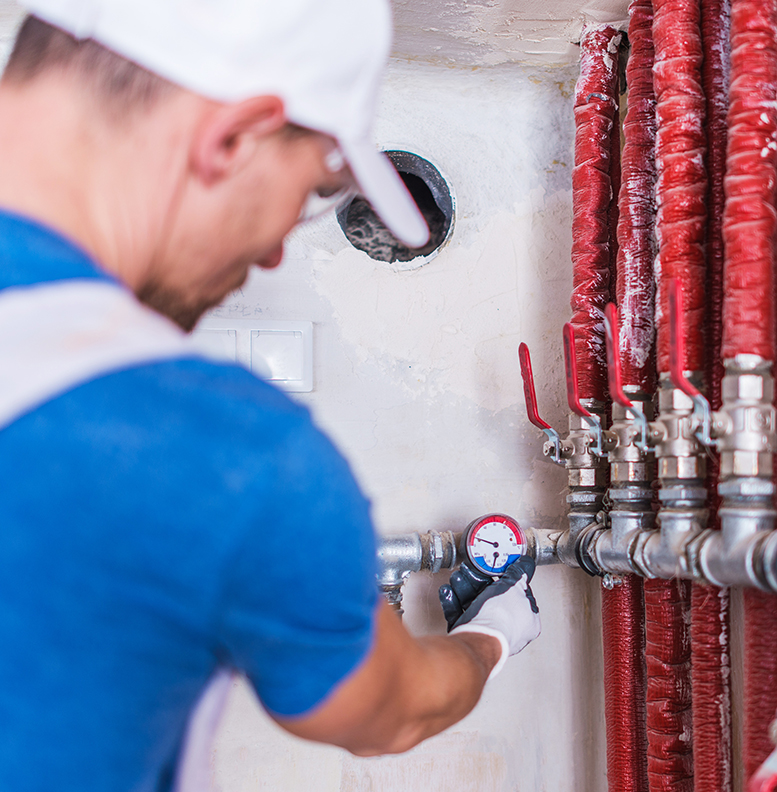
x,y
399,555
740,553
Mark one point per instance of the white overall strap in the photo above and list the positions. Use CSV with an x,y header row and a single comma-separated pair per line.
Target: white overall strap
x,y
195,767
56,336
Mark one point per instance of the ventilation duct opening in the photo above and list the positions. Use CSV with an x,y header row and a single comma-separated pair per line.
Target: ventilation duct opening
x,y
365,231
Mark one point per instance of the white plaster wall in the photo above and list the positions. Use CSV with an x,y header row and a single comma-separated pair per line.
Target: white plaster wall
x,y
491,32
10,17
416,378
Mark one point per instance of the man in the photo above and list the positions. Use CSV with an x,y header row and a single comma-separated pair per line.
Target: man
x,y
164,516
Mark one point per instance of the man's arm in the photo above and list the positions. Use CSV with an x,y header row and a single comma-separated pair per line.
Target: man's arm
x,y
406,690
411,688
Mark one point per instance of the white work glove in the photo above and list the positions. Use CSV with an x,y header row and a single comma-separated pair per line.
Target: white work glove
x,y
504,609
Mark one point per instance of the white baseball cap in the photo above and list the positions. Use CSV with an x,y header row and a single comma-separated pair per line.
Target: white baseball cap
x,y
323,58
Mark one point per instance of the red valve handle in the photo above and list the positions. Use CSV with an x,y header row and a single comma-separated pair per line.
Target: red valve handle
x,y
762,784
528,387
611,336
677,342
765,778
570,365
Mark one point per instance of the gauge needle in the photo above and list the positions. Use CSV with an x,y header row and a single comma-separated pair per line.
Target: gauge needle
x,y
495,544
496,555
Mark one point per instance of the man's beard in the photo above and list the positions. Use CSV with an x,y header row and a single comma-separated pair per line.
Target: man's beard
x,y
169,304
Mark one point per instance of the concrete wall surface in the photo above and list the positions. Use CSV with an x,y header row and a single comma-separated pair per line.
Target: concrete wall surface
x,y
416,379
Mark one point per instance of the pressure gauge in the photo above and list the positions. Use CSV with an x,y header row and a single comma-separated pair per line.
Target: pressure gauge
x,y
493,542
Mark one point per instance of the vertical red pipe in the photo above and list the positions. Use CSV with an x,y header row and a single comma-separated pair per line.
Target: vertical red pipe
x,y
668,653
710,606
680,198
760,677
750,220
635,286
623,607
596,183
711,663
595,114
681,190
716,29
623,635
615,177
748,229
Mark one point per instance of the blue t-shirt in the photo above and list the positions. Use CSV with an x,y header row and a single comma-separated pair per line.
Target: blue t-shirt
x,y
155,523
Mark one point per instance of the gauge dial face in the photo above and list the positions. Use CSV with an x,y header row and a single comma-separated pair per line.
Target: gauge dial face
x,y
494,542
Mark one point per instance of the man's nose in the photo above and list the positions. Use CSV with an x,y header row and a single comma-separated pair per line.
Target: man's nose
x,y
272,259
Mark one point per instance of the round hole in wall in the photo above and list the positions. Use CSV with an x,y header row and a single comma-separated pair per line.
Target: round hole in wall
x,y
366,231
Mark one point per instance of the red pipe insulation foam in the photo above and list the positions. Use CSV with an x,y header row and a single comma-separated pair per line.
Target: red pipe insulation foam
x,y
750,220
623,620
634,284
715,30
596,182
710,606
596,109
615,177
748,231
681,191
623,636
668,653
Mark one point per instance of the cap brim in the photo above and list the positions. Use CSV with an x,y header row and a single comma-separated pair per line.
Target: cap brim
x,y
383,187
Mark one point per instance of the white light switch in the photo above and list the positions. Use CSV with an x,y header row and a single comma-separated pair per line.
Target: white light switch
x,y
279,352
286,350
217,343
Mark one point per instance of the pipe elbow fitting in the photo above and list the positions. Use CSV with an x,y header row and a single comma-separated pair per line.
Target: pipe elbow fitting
x,y
743,564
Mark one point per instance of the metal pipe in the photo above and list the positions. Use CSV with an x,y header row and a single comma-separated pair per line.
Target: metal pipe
x,y
624,541
587,477
399,555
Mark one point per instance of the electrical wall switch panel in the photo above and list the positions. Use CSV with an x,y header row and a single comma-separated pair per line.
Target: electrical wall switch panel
x,y
276,351
286,349
217,343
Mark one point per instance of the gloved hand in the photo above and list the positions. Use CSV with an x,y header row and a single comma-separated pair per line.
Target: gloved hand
x,y
505,608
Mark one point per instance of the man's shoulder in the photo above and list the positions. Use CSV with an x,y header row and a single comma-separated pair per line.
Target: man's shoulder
x,y
195,383
186,442
212,403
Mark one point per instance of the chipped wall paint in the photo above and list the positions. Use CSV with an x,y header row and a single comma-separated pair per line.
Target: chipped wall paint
x,y
492,32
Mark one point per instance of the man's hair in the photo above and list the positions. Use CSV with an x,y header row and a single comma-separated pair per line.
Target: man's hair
x,y
41,47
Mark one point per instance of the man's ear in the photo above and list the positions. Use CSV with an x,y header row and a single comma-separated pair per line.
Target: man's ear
x,y
228,136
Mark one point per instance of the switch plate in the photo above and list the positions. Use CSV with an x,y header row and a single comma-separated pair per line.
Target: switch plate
x,y
217,342
277,351
286,349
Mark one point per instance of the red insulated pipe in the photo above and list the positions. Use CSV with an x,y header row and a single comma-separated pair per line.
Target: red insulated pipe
x,y
615,178
668,655
681,191
710,606
711,663
595,113
623,607
750,220
748,230
636,253
760,677
715,28
623,636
